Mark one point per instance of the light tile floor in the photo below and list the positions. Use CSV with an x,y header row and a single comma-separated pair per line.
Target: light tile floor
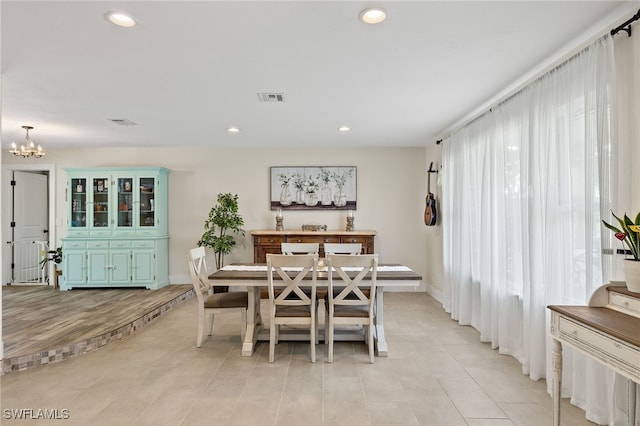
x,y
437,373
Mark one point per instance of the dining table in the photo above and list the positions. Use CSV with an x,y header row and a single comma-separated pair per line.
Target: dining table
x,y
253,277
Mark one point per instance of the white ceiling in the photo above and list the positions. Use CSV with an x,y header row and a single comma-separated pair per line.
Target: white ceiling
x,y
190,70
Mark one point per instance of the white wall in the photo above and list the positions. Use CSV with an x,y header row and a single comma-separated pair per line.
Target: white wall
x,y
433,261
391,190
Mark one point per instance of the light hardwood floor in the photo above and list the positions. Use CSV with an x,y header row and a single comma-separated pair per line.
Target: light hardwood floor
x,y
437,373
41,324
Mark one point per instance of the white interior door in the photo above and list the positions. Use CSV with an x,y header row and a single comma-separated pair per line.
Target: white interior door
x,y
30,218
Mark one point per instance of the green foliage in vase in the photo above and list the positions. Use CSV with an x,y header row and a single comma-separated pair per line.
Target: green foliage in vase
x,y
223,221
628,233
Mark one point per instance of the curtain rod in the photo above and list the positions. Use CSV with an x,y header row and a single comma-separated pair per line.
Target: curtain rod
x,y
626,24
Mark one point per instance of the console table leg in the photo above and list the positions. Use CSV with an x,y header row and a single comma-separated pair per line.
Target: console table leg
x,y
556,353
631,414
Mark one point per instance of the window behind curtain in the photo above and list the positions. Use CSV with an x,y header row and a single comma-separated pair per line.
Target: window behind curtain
x,y
522,206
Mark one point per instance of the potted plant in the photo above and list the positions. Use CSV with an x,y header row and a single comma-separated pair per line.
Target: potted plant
x,y
629,234
54,256
222,223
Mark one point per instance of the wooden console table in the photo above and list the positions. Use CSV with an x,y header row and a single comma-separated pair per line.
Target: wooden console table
x,y
608,330
269,241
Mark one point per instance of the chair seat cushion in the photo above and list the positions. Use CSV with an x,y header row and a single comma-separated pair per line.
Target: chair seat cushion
x,y
293,311
361,311
234,299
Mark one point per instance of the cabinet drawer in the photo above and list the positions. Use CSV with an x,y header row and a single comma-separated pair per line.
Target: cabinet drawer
x,y
145,233
144,244
624,302
313,239
98,244
354,239
77,233
69,245
120,244
102,233
588,339
125,233
269,240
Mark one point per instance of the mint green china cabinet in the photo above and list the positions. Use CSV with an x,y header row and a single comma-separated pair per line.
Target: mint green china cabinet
x,y
117,233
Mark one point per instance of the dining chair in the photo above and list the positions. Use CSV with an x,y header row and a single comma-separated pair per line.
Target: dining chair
x,y
292,305
300,248
351,305
306,248
342,248
210,303
294,248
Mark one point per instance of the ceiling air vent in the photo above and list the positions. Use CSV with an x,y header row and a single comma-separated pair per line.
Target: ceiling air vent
x,y
122,121
271,97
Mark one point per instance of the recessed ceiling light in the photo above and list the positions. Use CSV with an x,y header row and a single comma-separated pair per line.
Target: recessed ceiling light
x,y
233,130
344,128
120,19
373,15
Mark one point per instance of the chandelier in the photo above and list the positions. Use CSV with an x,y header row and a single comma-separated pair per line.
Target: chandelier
x,y
28,148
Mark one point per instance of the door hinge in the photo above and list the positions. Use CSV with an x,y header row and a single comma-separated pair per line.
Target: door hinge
x,y
13,183
13,224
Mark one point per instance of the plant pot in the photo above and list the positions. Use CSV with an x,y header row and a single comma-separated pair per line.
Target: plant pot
x,y
632,274
58,274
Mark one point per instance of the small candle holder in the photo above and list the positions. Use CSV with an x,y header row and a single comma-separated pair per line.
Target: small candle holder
x,y
279,223
350,223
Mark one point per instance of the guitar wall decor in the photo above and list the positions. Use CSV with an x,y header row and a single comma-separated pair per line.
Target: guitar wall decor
x,y
430,211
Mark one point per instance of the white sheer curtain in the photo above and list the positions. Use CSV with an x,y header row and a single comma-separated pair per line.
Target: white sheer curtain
x,y
531,181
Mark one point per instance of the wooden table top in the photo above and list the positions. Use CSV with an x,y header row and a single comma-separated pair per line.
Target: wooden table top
x,y
618,324
259,275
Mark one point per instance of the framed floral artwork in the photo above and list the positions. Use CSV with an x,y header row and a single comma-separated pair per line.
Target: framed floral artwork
x,y
313,188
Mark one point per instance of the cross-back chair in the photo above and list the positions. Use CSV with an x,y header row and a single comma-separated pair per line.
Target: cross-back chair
x,y
210,303
342,248
300,248
351,304
288,302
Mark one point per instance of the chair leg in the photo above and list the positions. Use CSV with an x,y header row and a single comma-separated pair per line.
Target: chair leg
x,y
210,325
272,341
321,305
370,335
326,328
330,354
200,327
314,334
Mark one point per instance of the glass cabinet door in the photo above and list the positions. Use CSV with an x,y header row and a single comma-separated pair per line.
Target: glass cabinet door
x,y
124,186
79,203
100,215
147,202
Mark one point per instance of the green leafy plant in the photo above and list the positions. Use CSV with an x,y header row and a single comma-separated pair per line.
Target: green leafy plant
x,y
54,256
628,233
222,223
